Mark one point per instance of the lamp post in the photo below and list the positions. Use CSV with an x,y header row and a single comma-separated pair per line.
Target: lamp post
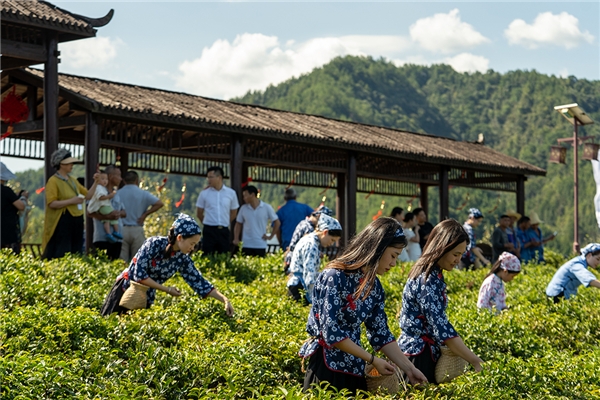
x,y
576,116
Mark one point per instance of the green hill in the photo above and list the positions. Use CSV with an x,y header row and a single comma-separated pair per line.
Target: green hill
x,y
514,111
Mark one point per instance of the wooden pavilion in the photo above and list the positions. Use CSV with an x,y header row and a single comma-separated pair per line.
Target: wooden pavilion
x,y
154,130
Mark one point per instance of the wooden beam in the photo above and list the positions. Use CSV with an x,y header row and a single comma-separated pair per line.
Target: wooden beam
x,y
444,193
521,195
50,102
38,125
32,102
236,166
26,51
351,186
10,63
92,148
340,207
424,198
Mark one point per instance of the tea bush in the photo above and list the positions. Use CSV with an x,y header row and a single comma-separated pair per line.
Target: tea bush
x,y
55,344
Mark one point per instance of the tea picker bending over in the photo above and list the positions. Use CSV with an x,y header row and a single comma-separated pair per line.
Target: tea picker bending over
x,y
424,323
491,293
159,259
346,295
574,273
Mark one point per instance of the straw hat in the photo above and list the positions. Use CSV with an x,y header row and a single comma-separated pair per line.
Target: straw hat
x,y
534,218
514,214
449,366
134,297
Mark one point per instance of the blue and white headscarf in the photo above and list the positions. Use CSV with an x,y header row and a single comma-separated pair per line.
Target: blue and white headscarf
x,y
399,232
327,223
590,248
475,213
323,210
186,226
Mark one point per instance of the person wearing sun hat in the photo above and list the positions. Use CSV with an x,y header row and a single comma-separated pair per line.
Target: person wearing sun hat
x,y
159,258
12,203
305,227
63,220
306,258
536,236
574,273
491,293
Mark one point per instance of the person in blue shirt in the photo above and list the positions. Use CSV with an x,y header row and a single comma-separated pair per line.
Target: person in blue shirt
x,y
346,295
159,259
290,216
575,273
424,322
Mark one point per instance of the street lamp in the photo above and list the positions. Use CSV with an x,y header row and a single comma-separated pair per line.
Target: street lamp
x,y
576,116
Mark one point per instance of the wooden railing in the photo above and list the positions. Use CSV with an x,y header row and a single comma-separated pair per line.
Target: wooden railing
x,y
34,248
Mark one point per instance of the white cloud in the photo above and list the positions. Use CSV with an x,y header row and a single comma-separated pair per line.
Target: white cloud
x,y
467,62
445,33
548,29
563,73
464,62
95,52
253,61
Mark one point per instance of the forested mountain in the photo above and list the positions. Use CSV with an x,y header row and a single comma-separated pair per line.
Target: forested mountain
x,y
514,111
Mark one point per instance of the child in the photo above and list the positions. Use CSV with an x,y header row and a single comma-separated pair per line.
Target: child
x,y
100,203
346,295
424,322
492,290
574,273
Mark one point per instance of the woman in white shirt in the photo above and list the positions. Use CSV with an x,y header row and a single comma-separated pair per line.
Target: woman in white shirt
x,y
412,249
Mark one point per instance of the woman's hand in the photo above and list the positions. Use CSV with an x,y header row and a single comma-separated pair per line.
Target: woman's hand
x,y
384,367
229,308
77,200
415,376
477,365
173,291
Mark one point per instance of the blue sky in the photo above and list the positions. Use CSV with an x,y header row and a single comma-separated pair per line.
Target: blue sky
x,y
224,49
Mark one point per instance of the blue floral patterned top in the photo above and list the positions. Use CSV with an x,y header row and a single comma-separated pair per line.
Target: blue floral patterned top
x,y
335,315
305,264
302,229
149,263
423,318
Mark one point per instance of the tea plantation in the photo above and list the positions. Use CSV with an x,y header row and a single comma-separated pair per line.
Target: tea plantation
x,y
55,344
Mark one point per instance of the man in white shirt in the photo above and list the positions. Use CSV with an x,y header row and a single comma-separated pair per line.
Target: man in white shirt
x,y
216,208
252,220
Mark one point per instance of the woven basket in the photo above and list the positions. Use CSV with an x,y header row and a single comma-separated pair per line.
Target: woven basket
x,y
449,366
134,297
382,383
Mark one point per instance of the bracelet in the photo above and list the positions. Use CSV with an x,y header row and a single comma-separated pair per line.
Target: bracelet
x,y
169,291
372,359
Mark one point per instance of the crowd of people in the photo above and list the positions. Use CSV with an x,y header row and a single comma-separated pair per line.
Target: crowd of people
x,y
343,296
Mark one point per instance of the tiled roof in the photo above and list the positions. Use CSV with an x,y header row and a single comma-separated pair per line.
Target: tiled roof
x,y
44,14
153,104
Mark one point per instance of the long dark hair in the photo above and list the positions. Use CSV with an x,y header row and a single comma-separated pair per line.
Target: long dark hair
x,y
172,237
443,238
366,249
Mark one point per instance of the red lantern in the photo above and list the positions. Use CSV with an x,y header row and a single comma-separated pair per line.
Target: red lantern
x,y
14,110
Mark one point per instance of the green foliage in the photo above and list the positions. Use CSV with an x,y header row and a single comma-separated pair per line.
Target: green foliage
x,y
54,343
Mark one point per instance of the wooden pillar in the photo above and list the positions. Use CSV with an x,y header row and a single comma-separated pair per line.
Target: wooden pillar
x,y
423,199
32,103
50,103
521,195
351,187
92,149
236,166
444,193
340,207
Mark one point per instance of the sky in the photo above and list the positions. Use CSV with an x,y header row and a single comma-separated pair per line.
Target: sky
x,y
224,49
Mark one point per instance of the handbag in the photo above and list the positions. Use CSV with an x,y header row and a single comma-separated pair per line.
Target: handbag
x,y
135,296
376,382
449,366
